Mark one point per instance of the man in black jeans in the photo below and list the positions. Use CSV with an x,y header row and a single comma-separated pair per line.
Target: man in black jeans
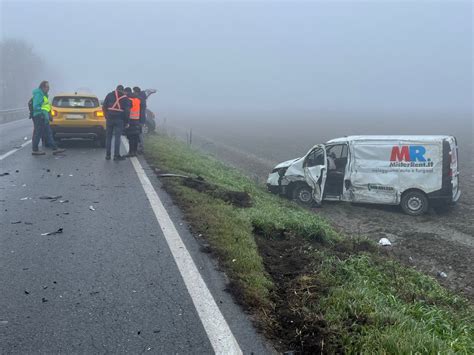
x,y
41,117
116,109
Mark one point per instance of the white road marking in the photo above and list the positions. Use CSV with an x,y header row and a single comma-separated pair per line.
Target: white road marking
x,y
217,329
7,154
19,122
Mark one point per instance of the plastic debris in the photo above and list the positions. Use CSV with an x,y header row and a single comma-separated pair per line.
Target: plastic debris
x,y
59,231
71,175
385,242
92,208
25,198
442,274
51,198
63,201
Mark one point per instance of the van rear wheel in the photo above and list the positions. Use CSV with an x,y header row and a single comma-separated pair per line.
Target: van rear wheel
x,y
414,203
303,194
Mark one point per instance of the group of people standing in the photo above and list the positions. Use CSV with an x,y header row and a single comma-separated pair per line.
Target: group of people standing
x,y
125,112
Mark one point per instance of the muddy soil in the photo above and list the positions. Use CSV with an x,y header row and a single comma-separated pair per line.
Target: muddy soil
x,y
439,243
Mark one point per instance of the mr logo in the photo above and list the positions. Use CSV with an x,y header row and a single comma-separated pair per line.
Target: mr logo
x,y
408,153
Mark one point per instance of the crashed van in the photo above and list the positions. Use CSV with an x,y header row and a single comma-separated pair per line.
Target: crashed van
x,y
411,171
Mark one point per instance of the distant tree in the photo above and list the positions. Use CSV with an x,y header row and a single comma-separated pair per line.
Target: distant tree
x,y
20,72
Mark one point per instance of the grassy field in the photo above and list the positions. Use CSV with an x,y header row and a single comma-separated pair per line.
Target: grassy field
x,y
310,288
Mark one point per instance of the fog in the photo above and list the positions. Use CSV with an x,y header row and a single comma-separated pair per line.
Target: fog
x,y
271,68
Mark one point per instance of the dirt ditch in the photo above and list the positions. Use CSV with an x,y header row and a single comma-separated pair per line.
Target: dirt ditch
x,y
236,198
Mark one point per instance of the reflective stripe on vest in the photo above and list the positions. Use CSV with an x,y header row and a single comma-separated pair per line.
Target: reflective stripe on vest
x,y
116,106
46,106
135,110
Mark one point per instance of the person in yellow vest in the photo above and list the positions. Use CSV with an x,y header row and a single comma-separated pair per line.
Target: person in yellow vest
x,y
134,128
41,118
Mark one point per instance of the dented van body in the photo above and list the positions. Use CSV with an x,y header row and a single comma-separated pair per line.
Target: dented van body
x,y
411,171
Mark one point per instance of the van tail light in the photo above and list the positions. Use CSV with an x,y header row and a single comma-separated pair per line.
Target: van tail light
x,y
54,113
99,114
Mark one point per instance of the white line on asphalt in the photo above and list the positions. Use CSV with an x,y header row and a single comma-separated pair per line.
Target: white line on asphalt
x,y
217,329
13,123
7,154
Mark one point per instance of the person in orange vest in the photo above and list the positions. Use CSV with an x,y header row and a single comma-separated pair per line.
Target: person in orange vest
x,y
134,128
116,109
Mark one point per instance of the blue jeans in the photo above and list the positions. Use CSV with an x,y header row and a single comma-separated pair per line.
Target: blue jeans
x,y
42,128
113,128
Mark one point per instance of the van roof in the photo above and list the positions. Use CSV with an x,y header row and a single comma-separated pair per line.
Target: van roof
x,y
417,138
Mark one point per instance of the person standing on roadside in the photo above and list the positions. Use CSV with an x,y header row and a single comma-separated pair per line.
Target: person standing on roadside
x,y
134,128
116,109
41,118
142,96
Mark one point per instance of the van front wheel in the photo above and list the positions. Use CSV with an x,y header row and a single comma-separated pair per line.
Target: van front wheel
x,y
414,203
303,194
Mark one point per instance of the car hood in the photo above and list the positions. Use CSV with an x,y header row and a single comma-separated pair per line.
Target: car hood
x,y
287,163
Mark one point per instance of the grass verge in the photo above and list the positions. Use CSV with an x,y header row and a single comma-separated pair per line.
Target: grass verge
x,y
311,289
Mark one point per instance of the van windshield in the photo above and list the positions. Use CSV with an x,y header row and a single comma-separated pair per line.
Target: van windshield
x,y
75,102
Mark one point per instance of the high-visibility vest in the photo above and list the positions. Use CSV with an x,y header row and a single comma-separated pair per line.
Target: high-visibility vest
x,y
116,106
135,110
46,106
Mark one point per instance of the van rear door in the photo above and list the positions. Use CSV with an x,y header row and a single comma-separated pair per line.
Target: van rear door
x,y
454,167
315,170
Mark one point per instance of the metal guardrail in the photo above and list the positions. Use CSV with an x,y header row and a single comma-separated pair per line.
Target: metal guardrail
x,y
13,114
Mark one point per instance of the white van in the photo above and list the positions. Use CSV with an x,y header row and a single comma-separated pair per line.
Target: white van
x,y
411,171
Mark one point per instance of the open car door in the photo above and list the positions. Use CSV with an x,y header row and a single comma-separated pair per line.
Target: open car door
x,y
315,171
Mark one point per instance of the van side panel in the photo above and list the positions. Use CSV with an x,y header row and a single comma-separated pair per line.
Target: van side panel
x,y
383,170
371,181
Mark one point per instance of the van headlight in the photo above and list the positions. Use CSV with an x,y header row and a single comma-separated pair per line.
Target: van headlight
x,y
280,171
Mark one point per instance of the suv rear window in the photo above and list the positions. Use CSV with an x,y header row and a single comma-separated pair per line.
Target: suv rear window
x,y
75,102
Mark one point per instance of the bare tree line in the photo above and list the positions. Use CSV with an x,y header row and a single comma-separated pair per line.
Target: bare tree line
x,y
20,71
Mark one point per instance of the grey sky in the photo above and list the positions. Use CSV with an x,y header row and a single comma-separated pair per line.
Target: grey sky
x,y
405,56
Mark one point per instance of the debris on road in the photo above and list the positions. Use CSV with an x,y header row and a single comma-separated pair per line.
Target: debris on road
x,y
59,231
16,222
25,198
63,201
442,274
71,175
52,198
44,300
92,208
4,174
27,292
385,242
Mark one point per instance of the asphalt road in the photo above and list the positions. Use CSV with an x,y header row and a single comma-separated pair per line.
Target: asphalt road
x,y
108,283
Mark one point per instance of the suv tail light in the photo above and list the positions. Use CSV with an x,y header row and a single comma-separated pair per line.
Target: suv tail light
x,y
99,113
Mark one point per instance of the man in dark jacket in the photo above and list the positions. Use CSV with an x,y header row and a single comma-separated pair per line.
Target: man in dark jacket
x,y
116,109
134,128
142,96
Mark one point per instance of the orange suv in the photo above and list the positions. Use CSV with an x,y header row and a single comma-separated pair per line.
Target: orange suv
x,y
78,115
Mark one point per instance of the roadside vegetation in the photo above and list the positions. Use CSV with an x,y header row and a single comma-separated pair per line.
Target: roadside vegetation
x,y
310,288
